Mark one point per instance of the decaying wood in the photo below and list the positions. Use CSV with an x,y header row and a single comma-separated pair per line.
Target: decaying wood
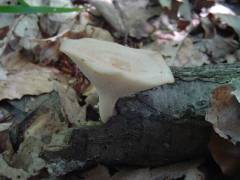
x,y
159,126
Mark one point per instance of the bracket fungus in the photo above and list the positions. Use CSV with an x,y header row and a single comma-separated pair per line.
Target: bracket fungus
x,y
115,70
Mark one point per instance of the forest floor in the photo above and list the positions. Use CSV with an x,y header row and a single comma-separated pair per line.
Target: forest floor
x,y
44,96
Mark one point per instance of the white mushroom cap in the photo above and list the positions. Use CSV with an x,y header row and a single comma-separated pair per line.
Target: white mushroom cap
x,y
115,70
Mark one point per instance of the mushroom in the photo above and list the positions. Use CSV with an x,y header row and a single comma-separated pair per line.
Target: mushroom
x,y
115,70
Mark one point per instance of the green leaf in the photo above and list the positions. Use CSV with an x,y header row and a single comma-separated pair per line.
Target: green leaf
x,y
36,9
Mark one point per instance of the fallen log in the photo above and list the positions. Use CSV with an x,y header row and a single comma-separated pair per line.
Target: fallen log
x,y
155,127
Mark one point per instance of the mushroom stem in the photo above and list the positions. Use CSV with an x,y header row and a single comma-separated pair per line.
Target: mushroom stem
x,y
106,106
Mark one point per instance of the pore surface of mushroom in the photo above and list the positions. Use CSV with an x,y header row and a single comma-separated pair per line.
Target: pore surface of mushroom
x,y
115,70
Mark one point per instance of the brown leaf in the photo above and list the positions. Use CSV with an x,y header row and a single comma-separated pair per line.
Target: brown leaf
x,y
226,155
189,56
70,106
3,32
31,82
97,173
25,78
5,143
224,113
199,4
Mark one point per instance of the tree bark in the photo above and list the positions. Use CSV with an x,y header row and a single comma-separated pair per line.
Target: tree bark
x,y
155,127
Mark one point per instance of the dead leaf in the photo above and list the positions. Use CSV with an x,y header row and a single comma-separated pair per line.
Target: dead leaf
x,y
237,54
221,9
47,129
110,13
181,54
211,47
127,16
208,27
6,20
236,93
230,58
199,4
5,126
167,49
98,33
27,29
90,31
26,82
226,155
188,170
43,126
25,78
231,20
138,174
69,101
189,56
3,73
224,113
166,3
61,17
48,27
5,142
97,173
28,158
185,10
9,35
10,172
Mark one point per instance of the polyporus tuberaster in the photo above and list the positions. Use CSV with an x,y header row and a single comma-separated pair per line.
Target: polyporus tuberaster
x,y
116,70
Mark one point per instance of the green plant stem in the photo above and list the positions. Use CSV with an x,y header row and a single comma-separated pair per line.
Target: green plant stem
x,y
36,9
